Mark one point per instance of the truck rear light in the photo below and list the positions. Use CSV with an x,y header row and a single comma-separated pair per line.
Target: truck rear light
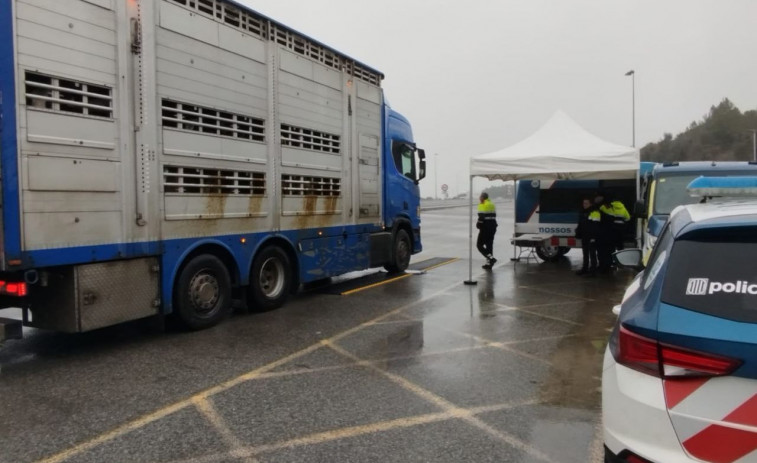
x,y
12,288
665,361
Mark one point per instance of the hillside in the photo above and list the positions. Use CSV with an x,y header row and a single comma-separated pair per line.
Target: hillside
x,y
723,134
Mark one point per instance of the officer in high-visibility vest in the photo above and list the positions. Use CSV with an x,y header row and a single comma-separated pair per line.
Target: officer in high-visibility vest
x,y
615,218
588,231
487,227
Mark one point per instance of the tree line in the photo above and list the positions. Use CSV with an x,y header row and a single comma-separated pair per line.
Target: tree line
x,y
724,134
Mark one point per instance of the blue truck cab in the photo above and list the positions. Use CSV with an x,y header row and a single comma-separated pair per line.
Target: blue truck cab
x,y
402,209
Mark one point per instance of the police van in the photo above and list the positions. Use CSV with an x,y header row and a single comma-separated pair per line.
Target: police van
x,y
664,188
679,379
547,211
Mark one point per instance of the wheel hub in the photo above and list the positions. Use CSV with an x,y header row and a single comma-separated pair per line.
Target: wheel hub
x,y
272,277
204,291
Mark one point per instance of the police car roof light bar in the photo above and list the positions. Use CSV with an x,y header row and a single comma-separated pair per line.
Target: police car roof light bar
x,y
723,186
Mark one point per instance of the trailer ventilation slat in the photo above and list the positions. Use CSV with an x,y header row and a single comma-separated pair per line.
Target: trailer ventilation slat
x,y
68,96
258,26
199,119
300,185
309,139
201,181
228,14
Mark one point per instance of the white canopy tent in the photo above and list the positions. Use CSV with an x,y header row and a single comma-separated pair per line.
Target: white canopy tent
x,y
560,150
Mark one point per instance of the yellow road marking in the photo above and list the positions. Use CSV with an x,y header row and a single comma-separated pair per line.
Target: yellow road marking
x,y
359,430
389,280
237,446
553,293
455,259
448,407
507,308
505,346
380,283
172,408
355,431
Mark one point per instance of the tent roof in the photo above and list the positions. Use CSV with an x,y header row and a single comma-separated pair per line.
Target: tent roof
x,y
561,149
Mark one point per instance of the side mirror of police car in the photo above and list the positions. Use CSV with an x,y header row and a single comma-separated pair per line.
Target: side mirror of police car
x,y
629,258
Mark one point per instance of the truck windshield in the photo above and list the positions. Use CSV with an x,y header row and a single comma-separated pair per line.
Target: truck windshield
x,y
404,160
670,193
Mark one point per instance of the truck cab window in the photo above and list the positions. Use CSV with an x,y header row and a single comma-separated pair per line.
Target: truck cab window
x,y
404,159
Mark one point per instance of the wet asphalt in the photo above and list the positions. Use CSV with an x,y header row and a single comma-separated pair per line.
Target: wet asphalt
x,y
421,369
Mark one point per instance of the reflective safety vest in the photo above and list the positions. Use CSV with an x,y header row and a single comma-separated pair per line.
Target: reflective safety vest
x,y
617,211
594,216
487,214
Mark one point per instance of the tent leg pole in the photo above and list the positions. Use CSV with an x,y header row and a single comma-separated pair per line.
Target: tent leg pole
x,y
515,258
470,280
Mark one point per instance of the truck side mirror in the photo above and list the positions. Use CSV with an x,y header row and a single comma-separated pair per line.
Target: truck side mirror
x,y
421,165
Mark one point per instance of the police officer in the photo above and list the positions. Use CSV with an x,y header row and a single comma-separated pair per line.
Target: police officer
x,y
487,227
619,217
588,232
614,218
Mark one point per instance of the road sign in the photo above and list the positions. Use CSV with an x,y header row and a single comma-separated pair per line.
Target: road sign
x,y
444,187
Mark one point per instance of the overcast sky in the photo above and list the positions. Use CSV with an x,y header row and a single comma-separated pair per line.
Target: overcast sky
x,y
477,76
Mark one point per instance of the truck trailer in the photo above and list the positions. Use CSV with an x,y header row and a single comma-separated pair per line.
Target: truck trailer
x,y
169,156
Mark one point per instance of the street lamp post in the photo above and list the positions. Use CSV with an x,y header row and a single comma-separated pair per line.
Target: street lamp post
x,y
632,73
436,176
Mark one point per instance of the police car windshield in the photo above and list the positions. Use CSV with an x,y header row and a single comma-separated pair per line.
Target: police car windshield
x,y
713,272
670,192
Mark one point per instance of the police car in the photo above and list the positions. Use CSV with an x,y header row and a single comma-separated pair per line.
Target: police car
x,y
680,372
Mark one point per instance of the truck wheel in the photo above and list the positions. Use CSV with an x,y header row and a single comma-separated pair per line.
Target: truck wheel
x,y
548,253
401,250
270,280
202,293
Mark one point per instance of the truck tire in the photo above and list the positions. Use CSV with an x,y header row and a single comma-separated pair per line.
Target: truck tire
x,y
202,292
549,253
401,251
270,280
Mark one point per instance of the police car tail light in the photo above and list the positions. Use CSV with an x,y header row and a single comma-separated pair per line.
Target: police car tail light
x,y
632,457
662,360
677,362
635,351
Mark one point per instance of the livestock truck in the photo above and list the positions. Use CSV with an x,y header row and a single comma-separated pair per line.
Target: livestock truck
x,y
168,156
